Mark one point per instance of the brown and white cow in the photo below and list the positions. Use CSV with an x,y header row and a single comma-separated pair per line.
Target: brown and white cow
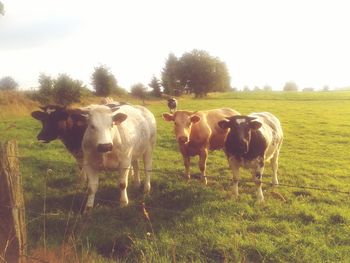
x,y
116,138
253,140
197,132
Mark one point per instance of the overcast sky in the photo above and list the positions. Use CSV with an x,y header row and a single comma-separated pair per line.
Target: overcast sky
x,y
261,41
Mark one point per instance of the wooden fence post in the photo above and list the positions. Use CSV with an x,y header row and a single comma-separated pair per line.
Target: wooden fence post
x,y
12,215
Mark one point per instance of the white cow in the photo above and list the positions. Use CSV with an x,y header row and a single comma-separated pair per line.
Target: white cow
x,y
116,138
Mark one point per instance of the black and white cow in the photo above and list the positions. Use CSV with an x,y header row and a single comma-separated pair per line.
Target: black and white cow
x,y
253,140
172,104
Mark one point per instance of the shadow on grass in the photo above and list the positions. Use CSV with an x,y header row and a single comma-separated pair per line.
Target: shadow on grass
x,y
108,227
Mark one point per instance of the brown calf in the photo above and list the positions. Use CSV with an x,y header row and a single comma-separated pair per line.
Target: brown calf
x,y
197,132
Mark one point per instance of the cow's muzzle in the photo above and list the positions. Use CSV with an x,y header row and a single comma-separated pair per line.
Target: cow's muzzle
x,y
105,147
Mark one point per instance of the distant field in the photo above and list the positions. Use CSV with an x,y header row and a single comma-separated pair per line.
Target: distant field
x,y
190,222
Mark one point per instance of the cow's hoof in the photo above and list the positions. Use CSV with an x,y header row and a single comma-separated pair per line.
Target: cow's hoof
x,y
123,203
204,180
260,201
274,184
187,176
87,211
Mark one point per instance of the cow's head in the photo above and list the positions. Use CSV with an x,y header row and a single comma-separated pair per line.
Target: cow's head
x,y
240,131
183,121
53,119
100,122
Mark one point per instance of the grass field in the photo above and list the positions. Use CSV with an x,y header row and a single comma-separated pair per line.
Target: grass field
x,y
190,222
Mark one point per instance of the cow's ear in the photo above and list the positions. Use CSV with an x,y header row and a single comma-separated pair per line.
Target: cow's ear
x,y
195,118
119,118
39,115
255,125
224,124
79,118
168,116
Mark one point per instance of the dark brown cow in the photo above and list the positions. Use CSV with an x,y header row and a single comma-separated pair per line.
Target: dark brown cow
x,y
64,124
197,132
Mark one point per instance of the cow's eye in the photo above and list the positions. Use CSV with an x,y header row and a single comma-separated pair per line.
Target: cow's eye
x,y
93,127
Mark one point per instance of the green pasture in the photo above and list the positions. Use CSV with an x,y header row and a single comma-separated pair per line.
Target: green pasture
x,y
190,222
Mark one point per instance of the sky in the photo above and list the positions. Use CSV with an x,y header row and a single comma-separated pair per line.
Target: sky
x,y
262,42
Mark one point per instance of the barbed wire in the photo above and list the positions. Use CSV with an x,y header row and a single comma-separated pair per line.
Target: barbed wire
x,y
216,177
40,214
219,177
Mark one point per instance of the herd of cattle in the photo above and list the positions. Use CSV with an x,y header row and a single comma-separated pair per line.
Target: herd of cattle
x,y
117,135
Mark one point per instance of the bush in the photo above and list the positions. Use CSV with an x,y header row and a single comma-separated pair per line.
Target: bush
x,y
66,90
8,83
63,91
105,83
139,91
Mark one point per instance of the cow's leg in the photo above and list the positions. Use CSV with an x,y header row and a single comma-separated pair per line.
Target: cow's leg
x,y
92,176
187,166
203,156
257,178
274,165
82,173
147,160
82,176
123,183
136,173
234,165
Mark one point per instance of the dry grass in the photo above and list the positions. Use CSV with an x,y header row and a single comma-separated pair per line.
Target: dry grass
x,y
15,104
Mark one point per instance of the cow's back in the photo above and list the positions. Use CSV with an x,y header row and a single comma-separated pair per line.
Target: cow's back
x,y
150,122
271,130
138,130
208,129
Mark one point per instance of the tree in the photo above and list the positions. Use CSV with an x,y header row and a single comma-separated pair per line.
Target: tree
x,y
155,86
222,77
325,88
139,91
103,81
290,86
8,83
267,88
45,92
202,73
170,79
256,88
66,90
2,10
246,88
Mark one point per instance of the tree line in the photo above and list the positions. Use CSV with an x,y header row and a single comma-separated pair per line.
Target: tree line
x,y
195,72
